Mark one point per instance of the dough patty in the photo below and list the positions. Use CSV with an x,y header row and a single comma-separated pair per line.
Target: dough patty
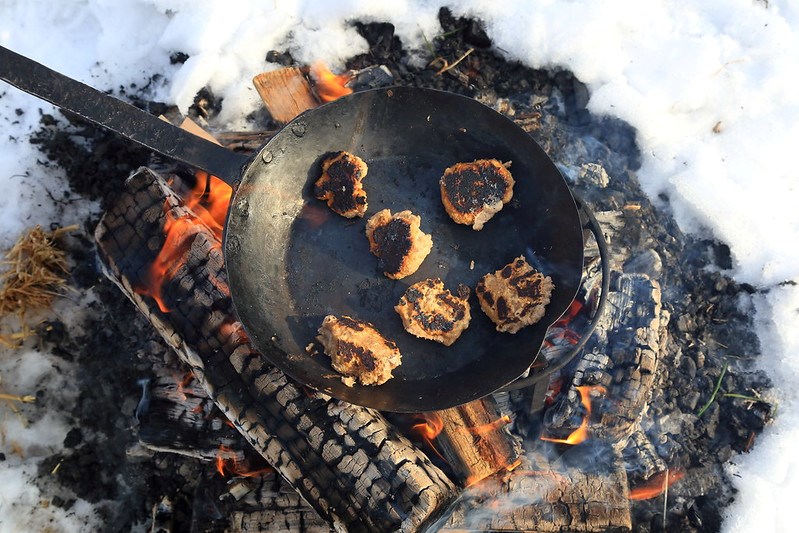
x,y
340,184
474,192
357,350
430,311
514,296
398,243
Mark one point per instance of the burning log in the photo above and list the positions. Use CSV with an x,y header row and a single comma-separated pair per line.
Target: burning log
x,y
474,441
346,461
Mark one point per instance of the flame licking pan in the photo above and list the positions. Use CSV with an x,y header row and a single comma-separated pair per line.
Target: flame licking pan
x,y
291,261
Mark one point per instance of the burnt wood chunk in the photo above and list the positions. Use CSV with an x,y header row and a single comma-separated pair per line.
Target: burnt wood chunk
x,y
543,497
623,358
176,415
264,503
346,461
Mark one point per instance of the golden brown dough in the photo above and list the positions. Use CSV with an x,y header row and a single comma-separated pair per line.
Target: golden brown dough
x,y
397,242
474,192
514,296
430,311
357,350
340,184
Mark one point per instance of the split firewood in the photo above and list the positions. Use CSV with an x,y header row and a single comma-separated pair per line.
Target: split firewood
x,y
285,92
346,461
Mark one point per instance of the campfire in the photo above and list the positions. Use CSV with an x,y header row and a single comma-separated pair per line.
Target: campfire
x,y
575,449
355,467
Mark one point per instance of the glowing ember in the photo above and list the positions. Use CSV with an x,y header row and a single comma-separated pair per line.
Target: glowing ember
x,y
183,383
581,433
487,428
329,86
228,461
657,485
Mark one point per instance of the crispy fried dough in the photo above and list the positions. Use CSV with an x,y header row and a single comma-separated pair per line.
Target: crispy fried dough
x,y
340,184
357,350
514,296
430,311
474,192
397,242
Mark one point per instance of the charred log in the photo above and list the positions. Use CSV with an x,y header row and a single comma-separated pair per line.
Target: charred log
x,y
346,461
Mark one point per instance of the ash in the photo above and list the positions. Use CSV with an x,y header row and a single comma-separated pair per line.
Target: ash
x,y
710,331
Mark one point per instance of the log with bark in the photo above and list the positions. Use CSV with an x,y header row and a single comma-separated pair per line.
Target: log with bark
x,y
346,461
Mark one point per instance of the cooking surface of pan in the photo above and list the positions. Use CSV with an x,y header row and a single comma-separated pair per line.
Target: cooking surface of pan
x,y
291,260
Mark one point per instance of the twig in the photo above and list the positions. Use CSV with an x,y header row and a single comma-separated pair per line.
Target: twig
x,y
447,67
15,398
715,391
665,497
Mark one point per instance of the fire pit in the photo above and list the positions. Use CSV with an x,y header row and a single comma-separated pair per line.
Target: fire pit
x,y
598,445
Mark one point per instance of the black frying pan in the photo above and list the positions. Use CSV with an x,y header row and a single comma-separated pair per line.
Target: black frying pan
x,y
291,260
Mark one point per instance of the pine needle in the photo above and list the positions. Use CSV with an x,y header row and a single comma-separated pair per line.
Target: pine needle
x,y
35,274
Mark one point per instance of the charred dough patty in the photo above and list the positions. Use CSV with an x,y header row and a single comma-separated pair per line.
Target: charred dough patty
x,y
514,296
430,311
397,242
474,192
340,184
357,350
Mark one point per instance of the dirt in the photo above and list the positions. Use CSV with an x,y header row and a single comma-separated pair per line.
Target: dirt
x,y
119,346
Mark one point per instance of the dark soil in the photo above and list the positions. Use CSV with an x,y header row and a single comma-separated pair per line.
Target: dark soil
x,y
118,347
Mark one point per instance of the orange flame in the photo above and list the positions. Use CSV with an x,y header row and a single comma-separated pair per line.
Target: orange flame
x,y
208,200
228,461
168,262
656,485
329,86
489,427
430,427
581,433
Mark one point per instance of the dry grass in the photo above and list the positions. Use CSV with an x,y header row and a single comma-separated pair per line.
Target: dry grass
x,y
35,273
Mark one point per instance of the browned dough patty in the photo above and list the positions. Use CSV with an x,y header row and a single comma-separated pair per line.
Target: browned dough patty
x,y
340,184
357,350
430,311
474,192
398,243
514,296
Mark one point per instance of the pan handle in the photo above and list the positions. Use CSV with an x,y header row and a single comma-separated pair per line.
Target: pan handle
x,y
120,117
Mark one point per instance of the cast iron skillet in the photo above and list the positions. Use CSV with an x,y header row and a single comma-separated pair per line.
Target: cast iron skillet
x,y
291,261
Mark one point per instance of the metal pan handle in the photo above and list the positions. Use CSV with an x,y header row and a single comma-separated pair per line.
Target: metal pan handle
x,y
120,117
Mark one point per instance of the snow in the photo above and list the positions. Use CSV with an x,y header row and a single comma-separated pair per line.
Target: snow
x,y
709,87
